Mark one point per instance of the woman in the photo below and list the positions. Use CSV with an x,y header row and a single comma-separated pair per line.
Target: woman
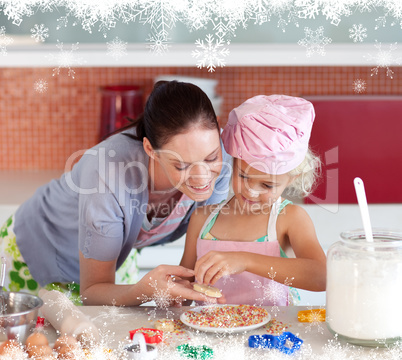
x,y
135,189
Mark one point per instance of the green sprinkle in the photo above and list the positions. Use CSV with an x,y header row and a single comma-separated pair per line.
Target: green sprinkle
x,y
201,352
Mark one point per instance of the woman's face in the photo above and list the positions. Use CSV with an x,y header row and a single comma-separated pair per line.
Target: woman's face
x,y
192,161
254,190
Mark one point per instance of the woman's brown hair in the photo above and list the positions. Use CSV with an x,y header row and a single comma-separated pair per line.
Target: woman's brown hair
x,y
172,108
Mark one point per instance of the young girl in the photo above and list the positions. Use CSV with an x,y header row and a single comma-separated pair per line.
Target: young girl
x,y
255,244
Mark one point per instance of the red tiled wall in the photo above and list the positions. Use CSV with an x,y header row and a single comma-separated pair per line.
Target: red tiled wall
x,y
40,131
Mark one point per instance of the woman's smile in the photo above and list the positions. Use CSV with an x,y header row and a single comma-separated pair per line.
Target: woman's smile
x,y
200,188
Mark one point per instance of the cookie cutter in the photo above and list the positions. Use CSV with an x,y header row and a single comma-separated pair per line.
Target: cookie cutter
x,y
152,336
280,342
140,350
200,352
313,315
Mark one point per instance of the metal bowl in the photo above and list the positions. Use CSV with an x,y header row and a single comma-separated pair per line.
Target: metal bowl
x,y
18,314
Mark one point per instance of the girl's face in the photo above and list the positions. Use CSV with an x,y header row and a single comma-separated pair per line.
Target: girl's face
x,y
192,161
254,190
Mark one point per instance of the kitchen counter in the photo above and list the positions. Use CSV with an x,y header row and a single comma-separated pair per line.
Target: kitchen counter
x,y
115,323
16,186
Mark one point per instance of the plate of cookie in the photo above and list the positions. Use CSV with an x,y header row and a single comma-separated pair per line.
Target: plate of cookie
x,y
226,318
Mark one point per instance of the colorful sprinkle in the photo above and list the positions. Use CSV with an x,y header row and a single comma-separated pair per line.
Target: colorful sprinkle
x,y
201,352
275,327
229,316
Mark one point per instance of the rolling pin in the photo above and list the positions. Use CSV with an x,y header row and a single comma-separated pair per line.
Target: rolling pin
x,y
65,317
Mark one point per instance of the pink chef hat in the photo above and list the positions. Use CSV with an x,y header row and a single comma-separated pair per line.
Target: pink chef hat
x,y
270,133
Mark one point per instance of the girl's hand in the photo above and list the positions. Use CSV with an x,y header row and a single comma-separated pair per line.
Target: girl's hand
x,y
216,264
165,283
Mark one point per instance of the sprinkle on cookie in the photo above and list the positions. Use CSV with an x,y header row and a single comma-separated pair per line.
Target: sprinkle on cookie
x,y
228,316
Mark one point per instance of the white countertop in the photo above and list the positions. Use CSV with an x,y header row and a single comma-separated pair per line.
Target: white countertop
x,y
94,55
114,324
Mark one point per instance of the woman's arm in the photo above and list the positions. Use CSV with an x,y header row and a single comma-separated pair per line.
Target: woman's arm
x,y
97,284
98,288
306,271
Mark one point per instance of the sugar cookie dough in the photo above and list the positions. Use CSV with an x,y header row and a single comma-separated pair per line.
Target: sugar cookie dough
x,y
207,290
165,325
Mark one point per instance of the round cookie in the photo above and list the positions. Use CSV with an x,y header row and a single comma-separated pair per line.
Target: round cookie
x,y
165,325
207,290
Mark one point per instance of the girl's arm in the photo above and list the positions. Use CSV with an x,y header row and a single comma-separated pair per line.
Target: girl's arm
x,y
189,258
197,220
306,271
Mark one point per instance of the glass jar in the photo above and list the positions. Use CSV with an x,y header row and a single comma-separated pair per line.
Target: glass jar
x,y
364,288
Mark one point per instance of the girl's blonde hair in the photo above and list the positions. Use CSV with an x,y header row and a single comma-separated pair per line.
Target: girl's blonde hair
x,y
305,176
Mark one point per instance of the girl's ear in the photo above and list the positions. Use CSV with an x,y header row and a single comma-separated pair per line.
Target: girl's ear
x,y
149,150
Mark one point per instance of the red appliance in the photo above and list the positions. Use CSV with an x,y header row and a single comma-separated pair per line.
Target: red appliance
x,y
119,102
358,136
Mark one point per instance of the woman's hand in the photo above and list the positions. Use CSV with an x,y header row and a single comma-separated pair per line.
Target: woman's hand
x,y
216,264
165,284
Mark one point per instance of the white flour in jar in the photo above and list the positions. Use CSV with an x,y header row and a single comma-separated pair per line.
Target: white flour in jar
x,y
364,298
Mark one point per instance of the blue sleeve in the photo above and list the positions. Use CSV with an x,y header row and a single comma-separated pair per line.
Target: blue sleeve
x,y
222,184
110,207
100,217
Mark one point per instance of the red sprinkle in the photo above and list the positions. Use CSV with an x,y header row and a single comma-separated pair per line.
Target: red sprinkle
x,y
228,316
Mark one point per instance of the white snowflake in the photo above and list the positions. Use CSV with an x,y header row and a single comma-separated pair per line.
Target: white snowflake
x,y
233,347
358,33
273,291
102,349
112,314
359,86
384,59
116,48
381,22
66,59
40,33
227,278
62,22
4,41
314,320
211,53
394,351
314,41
64,306
224,29
261,15
162,298
14,351
161,16
334,349
365,6
197,17
158,43
282,24
16,10
335,10
40,86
